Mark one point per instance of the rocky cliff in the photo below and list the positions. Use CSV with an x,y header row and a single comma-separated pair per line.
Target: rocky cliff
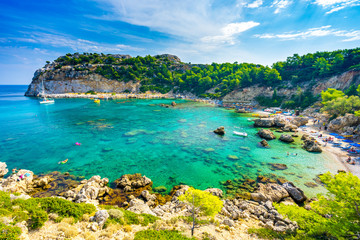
x,y
340,82
68,80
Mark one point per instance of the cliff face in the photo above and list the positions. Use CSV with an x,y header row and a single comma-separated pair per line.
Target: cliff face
x,y
69,80
340,82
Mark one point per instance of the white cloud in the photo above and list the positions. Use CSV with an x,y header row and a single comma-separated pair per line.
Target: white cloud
x,y
186,20
229,32
336,5
280,5
347,36
255,4
78,45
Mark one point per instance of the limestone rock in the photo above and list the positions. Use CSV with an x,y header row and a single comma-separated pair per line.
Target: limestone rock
x,y
215,191
220,130
270,191
94,188
299,121
311,146
139,206
295,193
286,138
100,217
129,182
267,134
173,104
264,122
264,143
289,128
339,123
3,169
20,182
278,122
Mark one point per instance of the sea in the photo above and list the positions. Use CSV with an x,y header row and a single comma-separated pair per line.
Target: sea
x,y
171,146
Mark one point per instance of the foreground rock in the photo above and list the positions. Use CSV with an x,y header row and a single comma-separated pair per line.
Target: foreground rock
x,y
20,182
100,218
237,209
3,169
89,191
270,191
220,130
286,138
295,193
130,182
267,134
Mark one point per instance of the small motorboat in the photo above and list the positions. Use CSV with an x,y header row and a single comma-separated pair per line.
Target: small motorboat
x,y
243,134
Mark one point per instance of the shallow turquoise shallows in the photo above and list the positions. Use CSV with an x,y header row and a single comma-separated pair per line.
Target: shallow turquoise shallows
x,y
168,145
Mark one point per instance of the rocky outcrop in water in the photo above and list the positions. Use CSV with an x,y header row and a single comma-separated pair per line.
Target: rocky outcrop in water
x,y
270,191
264,122
264,143
267,134
310,144
220,131
286,138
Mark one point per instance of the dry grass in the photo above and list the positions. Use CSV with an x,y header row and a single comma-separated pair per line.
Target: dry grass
x,y
110,230
85,217
70,231
69,220
89,236
127,228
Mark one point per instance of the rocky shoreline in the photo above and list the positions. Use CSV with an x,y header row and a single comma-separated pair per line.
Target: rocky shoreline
x,y
135,193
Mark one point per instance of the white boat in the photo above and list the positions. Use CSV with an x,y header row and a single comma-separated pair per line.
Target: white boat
x,y
45,100
244,134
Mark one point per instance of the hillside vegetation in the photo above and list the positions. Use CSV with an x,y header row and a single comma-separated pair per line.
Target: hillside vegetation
x,y
163,73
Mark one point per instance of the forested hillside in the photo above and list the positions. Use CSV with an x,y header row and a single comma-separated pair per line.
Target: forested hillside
x,y
165,72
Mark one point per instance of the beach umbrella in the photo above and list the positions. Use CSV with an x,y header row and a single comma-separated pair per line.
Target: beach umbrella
x,y
355,144
339,137
348,141
334,134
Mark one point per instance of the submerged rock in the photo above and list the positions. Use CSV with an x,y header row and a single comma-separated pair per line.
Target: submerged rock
x,y
264,143
267,134
278,166
220,130
232,157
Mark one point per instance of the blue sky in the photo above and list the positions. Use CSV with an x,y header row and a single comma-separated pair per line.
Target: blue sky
x,y
197,31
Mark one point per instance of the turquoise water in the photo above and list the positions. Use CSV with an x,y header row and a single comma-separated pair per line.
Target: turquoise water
x,y
168,145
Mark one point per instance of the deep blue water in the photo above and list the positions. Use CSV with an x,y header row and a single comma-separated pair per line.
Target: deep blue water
x,y
169,145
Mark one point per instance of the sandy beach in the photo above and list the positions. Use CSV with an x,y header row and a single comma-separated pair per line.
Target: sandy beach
x,y
335,153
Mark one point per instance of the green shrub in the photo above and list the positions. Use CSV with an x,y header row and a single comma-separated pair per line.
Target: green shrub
x,y
124,217
266,233
37,218
160,235
9,232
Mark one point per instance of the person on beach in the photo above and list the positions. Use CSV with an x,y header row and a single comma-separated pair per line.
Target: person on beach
x,y
348,159
14,171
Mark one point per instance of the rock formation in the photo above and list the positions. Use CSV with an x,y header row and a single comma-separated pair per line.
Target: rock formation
x,y
220,130
267,134
264,143
130,182
295,193
286,138
3,169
